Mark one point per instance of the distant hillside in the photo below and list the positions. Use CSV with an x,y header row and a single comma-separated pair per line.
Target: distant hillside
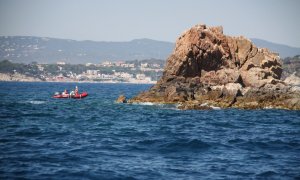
x,y
291,65
27,49
283,50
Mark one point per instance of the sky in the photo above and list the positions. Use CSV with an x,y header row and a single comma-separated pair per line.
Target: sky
x,y
165,20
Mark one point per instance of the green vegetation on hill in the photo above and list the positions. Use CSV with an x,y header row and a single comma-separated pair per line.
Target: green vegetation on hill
x,y
45,70
8,67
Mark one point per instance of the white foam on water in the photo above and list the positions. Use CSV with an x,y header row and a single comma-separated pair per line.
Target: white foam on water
x,y
146,103
204,104
215,107
36,102
268,107
159,105
175,107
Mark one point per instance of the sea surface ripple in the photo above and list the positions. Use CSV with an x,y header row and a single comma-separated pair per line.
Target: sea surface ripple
x,y
96,138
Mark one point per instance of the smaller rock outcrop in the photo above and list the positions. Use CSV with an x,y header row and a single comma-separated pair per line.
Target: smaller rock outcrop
x,y
121,99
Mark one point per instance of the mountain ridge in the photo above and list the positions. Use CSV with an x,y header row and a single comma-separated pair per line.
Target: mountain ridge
x,y
283,50
28,49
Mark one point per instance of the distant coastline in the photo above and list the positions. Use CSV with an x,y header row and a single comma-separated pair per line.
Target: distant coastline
x,y
135,72
5,77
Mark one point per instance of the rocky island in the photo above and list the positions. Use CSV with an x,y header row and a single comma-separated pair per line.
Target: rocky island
x,y
208,68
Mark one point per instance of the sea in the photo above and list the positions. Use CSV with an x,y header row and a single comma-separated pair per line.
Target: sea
x,y
96,138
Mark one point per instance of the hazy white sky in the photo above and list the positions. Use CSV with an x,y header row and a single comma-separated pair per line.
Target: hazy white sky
x,y
124,20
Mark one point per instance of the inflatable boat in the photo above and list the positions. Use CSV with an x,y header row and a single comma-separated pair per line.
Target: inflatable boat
x,y
74,96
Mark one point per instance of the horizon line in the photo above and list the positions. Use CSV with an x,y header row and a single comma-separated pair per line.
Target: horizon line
x,y
145,38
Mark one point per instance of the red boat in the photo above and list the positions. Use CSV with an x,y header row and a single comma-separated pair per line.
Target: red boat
x,y
74,96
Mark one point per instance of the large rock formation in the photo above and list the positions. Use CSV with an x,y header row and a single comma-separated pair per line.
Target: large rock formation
x,y
212,68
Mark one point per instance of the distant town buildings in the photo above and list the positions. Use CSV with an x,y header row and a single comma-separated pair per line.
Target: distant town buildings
x,y
61,63
107,71
40,67
144,65
92,72
89,64
107,64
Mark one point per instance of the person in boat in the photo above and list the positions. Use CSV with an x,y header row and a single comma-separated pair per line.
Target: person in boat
x,y
72,93
76,90
65,92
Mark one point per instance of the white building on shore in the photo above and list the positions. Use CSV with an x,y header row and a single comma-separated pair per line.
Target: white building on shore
x,y
61,63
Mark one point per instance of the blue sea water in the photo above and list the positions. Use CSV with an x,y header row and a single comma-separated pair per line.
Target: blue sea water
x,y
96,138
